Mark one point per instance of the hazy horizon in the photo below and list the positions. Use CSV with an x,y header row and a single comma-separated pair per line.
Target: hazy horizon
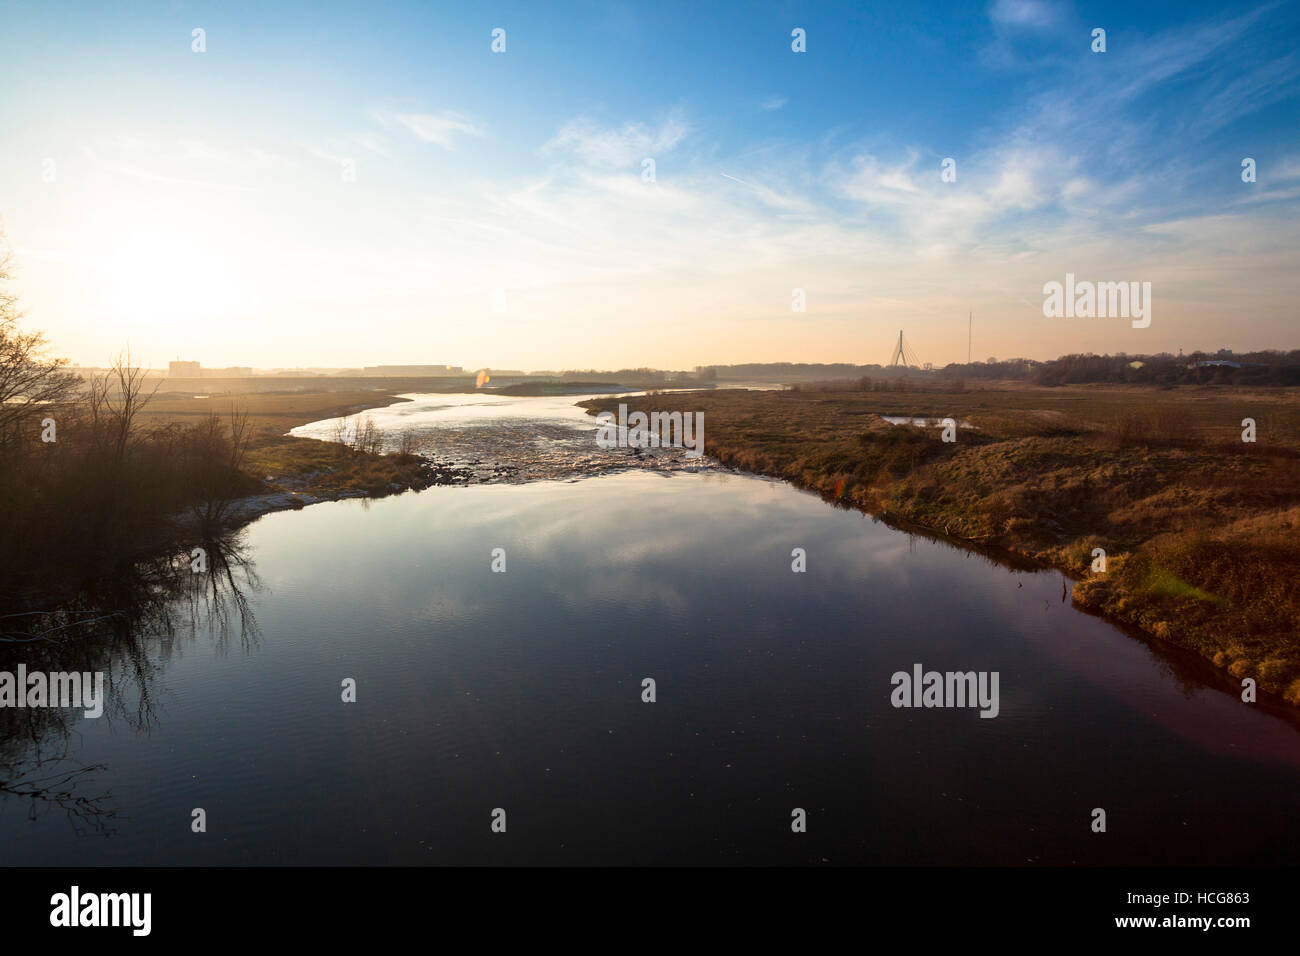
x,y
470,370
336,186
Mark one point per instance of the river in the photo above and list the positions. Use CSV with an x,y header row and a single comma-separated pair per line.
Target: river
x,y
521,690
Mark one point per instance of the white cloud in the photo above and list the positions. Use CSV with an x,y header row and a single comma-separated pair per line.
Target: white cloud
x,y
439,128
1023,13
1287,168
597,145
776,198
877,184
1017,186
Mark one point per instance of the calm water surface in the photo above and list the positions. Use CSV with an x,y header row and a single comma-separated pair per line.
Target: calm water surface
x,y
478,690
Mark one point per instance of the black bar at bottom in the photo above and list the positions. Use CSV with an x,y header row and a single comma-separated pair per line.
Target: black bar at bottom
x,y
341,904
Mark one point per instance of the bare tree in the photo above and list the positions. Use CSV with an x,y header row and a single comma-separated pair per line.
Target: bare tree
x,y
29,380
355,441
240,432
373,437
122,396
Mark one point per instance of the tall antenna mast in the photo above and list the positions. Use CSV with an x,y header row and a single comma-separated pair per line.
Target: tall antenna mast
x,y
970,321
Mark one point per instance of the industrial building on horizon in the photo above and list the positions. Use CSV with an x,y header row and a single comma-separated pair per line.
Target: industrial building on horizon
x,y
195,370
412,371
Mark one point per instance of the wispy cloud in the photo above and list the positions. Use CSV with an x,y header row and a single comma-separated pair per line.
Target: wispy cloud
x,y
442,129
1034,14
374,143
778,199
594,144
1031,35
328,156
1255,87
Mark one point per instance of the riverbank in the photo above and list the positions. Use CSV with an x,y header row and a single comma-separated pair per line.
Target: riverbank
x,y
287,472
117,490
1200,530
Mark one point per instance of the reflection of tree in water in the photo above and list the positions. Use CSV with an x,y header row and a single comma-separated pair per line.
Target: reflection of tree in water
x,y
58,790
126,625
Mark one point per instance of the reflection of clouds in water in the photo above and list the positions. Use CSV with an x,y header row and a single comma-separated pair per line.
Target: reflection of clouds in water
x,y
632,591
668,527
442,607
884,560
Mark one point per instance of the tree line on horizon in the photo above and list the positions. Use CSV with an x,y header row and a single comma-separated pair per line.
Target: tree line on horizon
x,y
1265,367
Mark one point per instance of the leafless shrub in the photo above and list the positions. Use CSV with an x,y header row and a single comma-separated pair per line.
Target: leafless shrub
x,y
339,431
408,443
366,435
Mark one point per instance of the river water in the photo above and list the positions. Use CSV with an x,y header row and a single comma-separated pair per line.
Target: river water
x,y
522,691
490,437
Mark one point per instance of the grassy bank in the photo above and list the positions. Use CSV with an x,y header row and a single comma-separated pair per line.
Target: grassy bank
x,y
1201,531
279,462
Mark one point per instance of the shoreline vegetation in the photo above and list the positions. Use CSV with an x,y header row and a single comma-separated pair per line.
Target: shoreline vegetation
x,y
1201,530
113,471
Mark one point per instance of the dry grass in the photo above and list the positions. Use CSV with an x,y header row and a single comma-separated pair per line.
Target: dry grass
x,y
283,463
1201,531
270,413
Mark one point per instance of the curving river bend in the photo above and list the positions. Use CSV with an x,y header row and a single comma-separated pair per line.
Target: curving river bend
x,y
522,690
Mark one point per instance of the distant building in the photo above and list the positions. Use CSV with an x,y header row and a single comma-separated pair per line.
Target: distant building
x,y
411,371
183,370
235,371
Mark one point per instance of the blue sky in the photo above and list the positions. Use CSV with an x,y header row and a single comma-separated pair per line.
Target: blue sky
x,y
194,204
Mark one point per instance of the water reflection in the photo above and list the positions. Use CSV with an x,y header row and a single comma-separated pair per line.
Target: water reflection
x,y
523,690
126,625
